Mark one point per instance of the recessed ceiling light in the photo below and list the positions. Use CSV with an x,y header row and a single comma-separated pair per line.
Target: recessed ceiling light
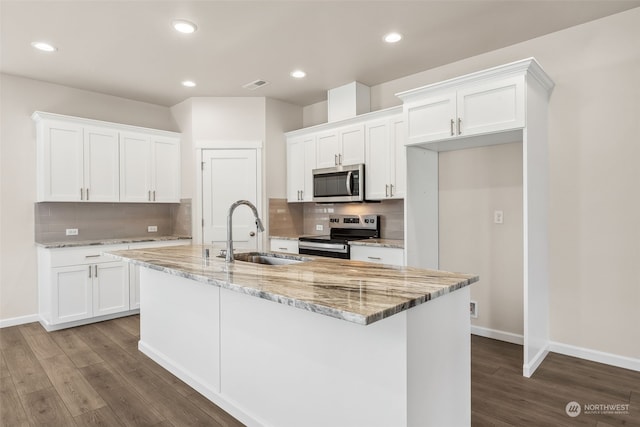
x,y
45,47
188,83
298,74
184,26
393,37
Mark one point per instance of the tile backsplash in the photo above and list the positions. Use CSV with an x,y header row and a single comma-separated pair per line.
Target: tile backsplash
x,y
110,220
294,219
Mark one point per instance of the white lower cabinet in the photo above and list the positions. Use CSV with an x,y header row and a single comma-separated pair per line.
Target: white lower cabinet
x,y
78,284
378,255
284,245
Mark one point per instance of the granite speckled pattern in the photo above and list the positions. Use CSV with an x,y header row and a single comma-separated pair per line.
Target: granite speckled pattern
x,y
381,243
355,291
77,243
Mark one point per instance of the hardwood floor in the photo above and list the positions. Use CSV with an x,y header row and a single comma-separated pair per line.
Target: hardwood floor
x,y
95,375
501,396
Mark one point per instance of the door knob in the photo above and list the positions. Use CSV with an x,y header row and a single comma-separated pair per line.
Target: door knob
x,y
252,233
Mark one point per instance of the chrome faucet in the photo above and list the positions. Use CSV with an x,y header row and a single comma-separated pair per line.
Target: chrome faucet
x,y
229,254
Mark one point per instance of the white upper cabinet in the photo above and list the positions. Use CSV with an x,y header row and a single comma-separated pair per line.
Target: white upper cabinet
x,y
83,160
76,163
482,107
385,158
101,165
340,146
150,168
301,160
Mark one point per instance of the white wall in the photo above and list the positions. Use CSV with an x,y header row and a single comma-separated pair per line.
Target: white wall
x,y
19,98
594,120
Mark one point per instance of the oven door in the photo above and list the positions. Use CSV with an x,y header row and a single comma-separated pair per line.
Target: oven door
x,y
339,184
331,250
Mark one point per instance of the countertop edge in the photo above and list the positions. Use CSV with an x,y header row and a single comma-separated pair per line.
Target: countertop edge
x,y
105,242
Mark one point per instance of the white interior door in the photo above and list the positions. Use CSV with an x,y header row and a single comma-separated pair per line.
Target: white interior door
x,y
229,176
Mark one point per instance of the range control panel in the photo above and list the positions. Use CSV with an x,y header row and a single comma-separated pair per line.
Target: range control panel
x,y
354,221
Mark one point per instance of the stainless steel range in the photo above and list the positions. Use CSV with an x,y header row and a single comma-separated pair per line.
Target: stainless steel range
x,y
342,229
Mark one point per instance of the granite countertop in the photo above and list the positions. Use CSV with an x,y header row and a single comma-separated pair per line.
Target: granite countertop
x,y
355,291
78,243
382,243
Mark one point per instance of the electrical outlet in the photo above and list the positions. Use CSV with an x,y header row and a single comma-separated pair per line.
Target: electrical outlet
x,y
319,227
498,217
473,309
72,231
152,229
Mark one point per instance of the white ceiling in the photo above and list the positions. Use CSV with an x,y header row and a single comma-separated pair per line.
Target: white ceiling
x,y
129,49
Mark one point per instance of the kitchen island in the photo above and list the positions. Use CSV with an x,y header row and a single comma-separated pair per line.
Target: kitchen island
x,y
317,343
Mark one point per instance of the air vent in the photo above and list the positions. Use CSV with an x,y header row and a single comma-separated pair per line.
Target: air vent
x,y
255,84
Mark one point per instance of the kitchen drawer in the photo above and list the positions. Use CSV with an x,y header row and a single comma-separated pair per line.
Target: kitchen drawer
x,y
284,245
85,255
378,255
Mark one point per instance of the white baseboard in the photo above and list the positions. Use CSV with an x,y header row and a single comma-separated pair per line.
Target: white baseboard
x,y
596,356
497,335
20,320
529,368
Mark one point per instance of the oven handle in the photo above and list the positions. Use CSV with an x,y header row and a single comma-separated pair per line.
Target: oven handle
x,y
329,247
349,178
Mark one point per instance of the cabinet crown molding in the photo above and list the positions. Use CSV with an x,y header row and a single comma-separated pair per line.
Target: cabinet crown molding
x,y
528,66
39,116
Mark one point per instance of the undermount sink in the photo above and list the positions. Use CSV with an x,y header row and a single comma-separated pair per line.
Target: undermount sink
x,y
269,258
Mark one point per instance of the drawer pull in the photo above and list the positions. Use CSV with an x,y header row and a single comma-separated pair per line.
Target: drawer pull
x,y
377,258
92,256
283,249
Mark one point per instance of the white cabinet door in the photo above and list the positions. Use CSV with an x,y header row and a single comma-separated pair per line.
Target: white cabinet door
x,y
135,167
62,175
399,158
491,107
295,170
351,145
72,293
110,288
165,178
378,162
378,255
327,149
431,119
301,160
101,165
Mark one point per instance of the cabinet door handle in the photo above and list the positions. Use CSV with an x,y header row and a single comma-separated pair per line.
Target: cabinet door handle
x,y
95,270
154,195
301,194
87,194
89,272
377,258
149,196
391,190
459,126
335,159
452,121
81,194
386,190
339,159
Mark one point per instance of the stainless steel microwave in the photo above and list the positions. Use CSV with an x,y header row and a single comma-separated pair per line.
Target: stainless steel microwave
x,y
344,183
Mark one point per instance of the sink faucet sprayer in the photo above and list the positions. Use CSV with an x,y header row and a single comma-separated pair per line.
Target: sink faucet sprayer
x,y
229,254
